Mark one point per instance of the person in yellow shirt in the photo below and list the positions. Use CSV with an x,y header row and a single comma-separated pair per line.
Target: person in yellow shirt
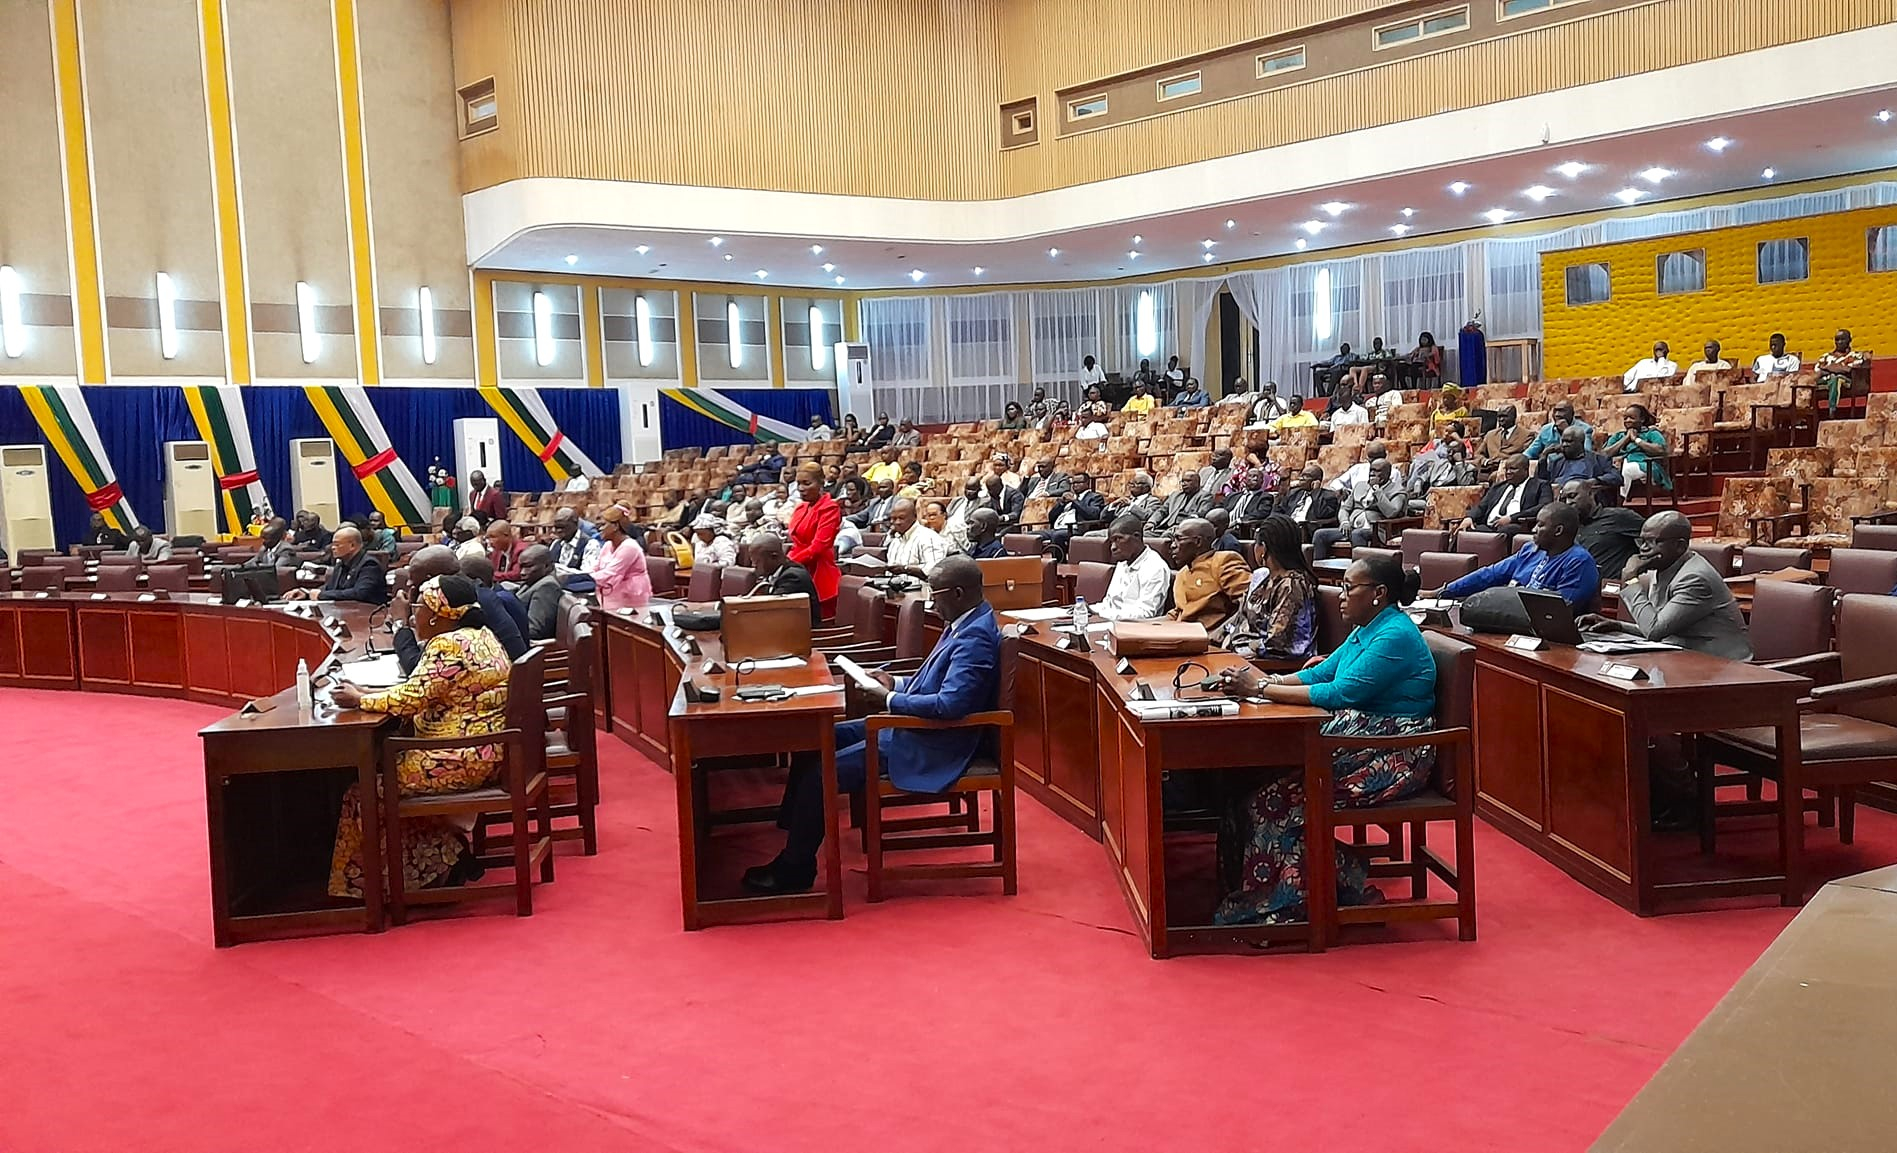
x,y
886,468
1142,400
1449,406
1296,418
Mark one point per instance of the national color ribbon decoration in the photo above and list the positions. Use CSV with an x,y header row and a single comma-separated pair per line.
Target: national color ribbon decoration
x,y
61,412
522,410
358,433
709,402
218,411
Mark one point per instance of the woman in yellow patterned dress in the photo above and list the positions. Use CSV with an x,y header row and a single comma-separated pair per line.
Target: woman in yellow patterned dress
x,y
458,688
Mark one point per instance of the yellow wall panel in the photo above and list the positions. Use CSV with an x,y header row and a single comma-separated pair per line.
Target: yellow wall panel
x,y
1603,339
32,206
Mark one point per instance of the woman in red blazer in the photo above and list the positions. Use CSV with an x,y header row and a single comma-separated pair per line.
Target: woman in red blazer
x,y
813,535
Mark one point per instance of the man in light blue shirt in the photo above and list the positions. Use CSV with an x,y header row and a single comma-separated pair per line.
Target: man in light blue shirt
x,y
1560,418
1551,561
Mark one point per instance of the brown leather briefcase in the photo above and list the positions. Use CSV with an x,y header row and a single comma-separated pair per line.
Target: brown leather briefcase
x,y
1157,639
1012,582
765,627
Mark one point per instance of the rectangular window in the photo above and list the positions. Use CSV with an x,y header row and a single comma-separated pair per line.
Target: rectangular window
x,y
1784,261
1087,107
1678,272
1588,284
1023,122
1286,60
1881,249
1524,7
1421,28
479,111
1178,86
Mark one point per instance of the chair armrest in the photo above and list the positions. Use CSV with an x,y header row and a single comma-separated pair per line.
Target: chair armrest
x,y
472,741
561,700
1826,698
994,717
1430,739
1821,667
1888,516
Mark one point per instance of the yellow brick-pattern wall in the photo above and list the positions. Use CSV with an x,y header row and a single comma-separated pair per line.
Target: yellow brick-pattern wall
x,y
1734,309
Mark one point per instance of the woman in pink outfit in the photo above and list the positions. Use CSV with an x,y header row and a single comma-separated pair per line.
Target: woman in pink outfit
x,y
621,576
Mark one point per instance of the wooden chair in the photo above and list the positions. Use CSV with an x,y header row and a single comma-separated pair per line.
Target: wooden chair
x,y
1416,541
42,578
117,578
522,788
1761,558
1449,797
1485,547
990,772
1437,569
736,580
1862,570
663,573
704,584
1791,620
1085,549
572,748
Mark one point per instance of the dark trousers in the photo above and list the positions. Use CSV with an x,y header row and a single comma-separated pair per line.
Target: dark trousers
x,y
801,812
1325,539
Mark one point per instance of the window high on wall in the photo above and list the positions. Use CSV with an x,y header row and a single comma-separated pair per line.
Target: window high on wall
x,y
1784,261
1588,284
1679,272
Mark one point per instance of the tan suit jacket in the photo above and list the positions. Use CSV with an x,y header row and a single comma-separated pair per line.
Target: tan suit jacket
x,y
1210,588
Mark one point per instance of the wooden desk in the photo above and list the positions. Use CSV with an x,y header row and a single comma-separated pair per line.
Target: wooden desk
x,y
1561,760
1063,720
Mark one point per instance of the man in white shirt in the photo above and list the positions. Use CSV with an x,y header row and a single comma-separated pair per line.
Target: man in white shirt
x,y
468,539
911,549
819,429
1358,473
1346,409
1387,397
1267,406
1092,430
1659,364
1090,373
1140,576
1709,362
1777,362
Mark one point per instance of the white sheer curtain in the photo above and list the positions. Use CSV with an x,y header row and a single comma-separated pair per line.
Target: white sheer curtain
x,y
1195,300
1066,327
1424,290
1513,308
981,367
1142,325
896,328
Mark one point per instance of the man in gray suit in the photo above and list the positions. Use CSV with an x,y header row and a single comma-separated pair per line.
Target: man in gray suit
x,y
1675,596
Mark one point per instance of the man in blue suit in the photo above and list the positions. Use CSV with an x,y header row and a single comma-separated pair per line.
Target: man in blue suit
x,y
960,677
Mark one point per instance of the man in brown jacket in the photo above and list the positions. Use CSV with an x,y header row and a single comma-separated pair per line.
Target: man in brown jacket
x,y
1209,584
1508,437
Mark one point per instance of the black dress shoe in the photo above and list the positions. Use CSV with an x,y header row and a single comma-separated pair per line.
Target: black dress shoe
x,y
766,880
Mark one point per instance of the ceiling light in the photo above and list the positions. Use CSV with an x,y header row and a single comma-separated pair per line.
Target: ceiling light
x,y
916,274
1538,193
1460,187
828,267
1399,229
816,250
1497,215
1312,226
643,249
839,280
727,256
1769,173
1883,116
1335,207
1629,195
1231,224
978,270
543,329
1052,253
167,316
1138,240
572,258
1133,255
12,325
1207,243
1656,175
425,305
642,328
1298,244
1572,168
734,334
1207,257
1408,212
311,342
716,241
817,348
1719,143
760,274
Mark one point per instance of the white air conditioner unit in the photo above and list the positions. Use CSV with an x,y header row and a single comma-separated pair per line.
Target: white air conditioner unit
x,y
856,385
477,448
313,478
26,503
191,496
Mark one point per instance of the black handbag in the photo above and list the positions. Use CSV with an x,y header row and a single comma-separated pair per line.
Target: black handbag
x,y
699,620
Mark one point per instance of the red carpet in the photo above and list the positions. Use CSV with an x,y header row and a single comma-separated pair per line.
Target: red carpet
x,y
942,1022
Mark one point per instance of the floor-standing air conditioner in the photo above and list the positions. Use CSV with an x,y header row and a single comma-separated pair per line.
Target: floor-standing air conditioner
x,y
190,489
26,504
313,478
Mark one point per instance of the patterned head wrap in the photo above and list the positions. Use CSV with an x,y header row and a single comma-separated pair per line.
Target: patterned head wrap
x,y
436,601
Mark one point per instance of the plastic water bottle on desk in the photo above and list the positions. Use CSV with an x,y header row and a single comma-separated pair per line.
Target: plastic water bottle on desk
x,y
305,696
1080,616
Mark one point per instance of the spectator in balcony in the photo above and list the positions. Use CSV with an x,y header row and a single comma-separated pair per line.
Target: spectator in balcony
x,y
1640,449
1709,363
1659,365
1837,369
1777,362
1013,418
1090,375
1560,418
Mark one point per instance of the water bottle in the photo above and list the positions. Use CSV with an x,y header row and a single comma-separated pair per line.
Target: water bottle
x,y
1080,616
305,697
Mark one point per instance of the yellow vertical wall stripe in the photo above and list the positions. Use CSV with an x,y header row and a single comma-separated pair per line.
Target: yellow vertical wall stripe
x,y
774,337
82,225
593,335
486,338
687,310
852,317
233,274
356,192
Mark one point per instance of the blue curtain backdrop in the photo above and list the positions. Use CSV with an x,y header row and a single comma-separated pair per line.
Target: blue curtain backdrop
x,y
680,427
134,421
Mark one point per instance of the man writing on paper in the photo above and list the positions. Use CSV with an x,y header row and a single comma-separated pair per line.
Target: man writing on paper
x,y
960,677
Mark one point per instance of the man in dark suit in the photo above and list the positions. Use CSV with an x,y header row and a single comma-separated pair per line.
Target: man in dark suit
x,y
1007,502
540,592
1251,504
1081,510
356,576
1308,503
984,535
1046,480
1191,502
427,564
960,677
780,576
1511,504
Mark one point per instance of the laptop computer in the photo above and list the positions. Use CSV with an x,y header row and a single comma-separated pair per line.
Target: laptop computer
x,y
1550,616
260,585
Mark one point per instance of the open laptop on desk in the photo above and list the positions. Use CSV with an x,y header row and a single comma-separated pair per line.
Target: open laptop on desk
x,y
1550,617
259,585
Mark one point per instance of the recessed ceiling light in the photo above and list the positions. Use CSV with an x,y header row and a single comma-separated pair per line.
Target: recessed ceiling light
x,y
1231,224
1335,207
716,241
916,274
1133,255
1298,244
1408,212
978,270
572,258
1138,240
1497,215
727,256
1207,257
760,274
1207,243
1656,175
1313,226
816,250
1629,195
1769,173
1460,187
643,249
1399,229
828,267
839,280
1572,168
1052,253
1719,143
1538,193
1883,116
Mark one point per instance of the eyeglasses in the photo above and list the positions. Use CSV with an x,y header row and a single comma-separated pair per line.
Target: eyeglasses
x,y
1348,586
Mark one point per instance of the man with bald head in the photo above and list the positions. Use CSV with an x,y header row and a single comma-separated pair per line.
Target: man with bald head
x,y
503,550
911,548
540,592
427,564
356,576
984,535
1210,583
1675,595
779,576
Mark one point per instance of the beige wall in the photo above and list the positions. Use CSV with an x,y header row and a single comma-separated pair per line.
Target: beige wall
x,y
151,152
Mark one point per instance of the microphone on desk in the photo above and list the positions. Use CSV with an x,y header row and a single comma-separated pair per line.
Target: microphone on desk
x,y
369,627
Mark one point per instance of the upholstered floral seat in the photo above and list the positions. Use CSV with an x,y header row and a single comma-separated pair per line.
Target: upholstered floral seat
x,y
1745,499
1445,504
1799,465
1336,458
